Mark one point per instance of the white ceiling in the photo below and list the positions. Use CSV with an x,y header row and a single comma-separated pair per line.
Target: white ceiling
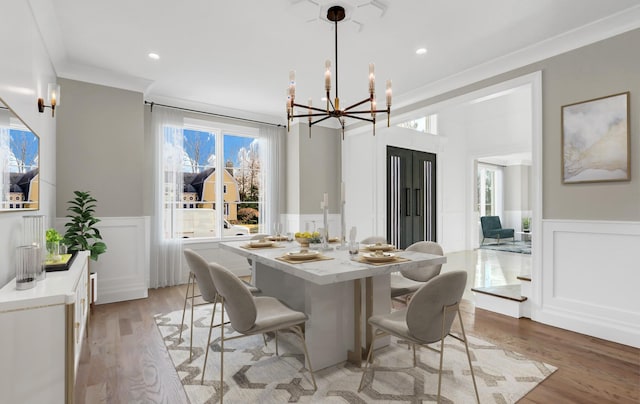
x,y
237,54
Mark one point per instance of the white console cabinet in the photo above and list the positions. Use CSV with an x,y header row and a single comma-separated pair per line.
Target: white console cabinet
x,y
41,336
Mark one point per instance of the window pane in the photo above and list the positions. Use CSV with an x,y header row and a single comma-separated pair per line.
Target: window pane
x,y
198,215
243,180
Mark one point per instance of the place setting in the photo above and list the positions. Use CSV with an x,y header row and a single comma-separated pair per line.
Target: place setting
x,y
303,255
262,243
380,257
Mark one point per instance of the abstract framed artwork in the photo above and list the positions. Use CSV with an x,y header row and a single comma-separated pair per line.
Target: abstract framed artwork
x,y
595,140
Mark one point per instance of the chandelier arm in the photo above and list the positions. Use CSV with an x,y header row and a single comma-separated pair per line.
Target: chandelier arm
x,y
308,107
377,111
319,120
360,118
357,104
324,113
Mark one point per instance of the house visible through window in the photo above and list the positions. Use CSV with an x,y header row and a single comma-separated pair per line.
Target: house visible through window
x,y
221,166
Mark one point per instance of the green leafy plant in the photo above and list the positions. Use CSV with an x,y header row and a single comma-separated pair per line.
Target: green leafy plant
x,y
53,236
526,223
81,232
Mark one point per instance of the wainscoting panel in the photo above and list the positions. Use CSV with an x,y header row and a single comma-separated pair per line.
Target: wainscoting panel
x,y
590,277
123,271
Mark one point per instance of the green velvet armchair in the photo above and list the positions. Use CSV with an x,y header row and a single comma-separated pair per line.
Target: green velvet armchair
x,y
492,228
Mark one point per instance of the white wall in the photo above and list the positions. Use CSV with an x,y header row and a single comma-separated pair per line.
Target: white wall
x,y
25,71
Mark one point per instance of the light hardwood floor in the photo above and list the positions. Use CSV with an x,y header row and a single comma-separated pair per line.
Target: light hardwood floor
x,y
124,359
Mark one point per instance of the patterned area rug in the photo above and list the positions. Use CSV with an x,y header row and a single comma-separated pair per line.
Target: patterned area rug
x,y
254,374
522,247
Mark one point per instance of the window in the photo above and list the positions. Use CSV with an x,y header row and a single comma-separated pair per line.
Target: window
x,y
426,124
219,166
489,190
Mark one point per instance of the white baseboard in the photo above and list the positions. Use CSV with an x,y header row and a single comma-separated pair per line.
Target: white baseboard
x,y
589,278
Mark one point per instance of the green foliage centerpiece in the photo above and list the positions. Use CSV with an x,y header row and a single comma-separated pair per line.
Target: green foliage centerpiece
x,y
81,232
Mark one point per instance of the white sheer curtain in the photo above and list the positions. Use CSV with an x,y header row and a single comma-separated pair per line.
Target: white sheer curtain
x,y
166,245
5,154
272,158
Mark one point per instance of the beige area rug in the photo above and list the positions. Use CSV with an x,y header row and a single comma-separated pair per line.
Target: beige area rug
x,y
254,374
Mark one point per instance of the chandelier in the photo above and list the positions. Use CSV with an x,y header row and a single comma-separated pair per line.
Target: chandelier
x,y
317,115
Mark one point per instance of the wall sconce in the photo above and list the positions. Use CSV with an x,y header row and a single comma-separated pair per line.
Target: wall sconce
x,y
53,92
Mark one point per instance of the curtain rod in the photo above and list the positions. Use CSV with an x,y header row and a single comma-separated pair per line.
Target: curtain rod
x,y
151,103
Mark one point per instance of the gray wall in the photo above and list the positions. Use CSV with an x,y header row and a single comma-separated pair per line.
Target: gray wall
x,y
318,163
516,187
100,148
607,67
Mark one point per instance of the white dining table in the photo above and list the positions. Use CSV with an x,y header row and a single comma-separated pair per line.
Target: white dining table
x,y
338,295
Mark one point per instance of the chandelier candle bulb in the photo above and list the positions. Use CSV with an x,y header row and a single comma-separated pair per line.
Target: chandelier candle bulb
x,y
327,75
292,82
372,79
388,93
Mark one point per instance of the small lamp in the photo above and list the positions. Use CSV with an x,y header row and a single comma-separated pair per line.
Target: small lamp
x,y
53,92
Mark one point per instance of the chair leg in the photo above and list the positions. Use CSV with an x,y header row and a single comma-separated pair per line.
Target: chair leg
x,y
193,291
221,352
206,348
414,354
466,346
276,332
184,307
298,331
443,335
369,358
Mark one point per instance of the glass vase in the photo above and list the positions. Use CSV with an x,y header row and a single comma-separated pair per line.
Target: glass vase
x,y
53,251
34,234
28,266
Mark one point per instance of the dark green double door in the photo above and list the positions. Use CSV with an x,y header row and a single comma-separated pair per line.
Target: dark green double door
x,y
411,196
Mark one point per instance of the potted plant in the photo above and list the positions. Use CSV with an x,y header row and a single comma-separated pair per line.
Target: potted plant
x,y
53,239
526,223
81,232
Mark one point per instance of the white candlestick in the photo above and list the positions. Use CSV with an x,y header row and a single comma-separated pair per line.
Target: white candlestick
x,y
325,199
327,75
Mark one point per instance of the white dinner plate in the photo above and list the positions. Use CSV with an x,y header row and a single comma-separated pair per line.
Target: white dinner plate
x,y
261,243
303,255
380,247
384,257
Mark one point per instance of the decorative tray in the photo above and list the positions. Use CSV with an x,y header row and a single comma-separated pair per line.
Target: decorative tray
x,y
62,265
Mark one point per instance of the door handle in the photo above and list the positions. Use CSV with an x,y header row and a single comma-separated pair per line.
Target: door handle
x,y
407,201
418,203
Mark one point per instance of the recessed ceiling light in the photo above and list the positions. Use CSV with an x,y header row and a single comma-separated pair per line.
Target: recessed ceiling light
x,y
421,51
154,56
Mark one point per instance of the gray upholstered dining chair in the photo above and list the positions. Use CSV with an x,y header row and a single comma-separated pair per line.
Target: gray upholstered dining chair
x,y
199,274
409,281
251,315
426,319
373,240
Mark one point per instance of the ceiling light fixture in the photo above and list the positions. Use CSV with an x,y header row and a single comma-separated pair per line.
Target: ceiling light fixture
x,y
421,51
154,56
336,14
53,92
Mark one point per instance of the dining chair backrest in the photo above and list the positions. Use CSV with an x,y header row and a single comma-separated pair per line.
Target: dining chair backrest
x,y
425,310
199,266
374,240
238,301
425,272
